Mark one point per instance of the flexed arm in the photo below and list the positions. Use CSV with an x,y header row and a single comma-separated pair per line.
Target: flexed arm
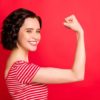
x,y
56,75
79,62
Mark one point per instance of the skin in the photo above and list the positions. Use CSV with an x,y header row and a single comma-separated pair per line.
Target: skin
x,y
30,31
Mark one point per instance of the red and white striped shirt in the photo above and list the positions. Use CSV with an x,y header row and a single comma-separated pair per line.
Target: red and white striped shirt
x,y
20,85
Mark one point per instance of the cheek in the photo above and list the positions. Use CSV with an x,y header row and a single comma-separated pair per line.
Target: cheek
x,y
40,37
23,35
21,38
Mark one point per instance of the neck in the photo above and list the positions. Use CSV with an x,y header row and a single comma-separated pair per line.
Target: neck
x,y
20,54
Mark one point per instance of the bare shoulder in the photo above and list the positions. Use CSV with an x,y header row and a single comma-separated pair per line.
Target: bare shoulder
x,y
9,63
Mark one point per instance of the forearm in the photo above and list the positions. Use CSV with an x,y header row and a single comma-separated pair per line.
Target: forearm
x,y
80,57
56,75
52,75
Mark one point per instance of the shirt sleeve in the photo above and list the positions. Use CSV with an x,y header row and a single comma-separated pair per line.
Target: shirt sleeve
x,y
26,72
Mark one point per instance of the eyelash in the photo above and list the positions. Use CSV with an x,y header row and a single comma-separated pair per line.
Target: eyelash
x,y
31,31
38,31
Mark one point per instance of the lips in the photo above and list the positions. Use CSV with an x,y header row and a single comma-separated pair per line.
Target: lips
x,y
34,43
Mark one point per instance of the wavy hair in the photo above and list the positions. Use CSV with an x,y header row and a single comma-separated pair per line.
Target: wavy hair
x,y
11,26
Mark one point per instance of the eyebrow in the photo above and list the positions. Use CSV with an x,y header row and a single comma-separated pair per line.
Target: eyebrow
x,y
32,29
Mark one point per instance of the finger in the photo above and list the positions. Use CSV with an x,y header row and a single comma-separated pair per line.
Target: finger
x,y
70,18
67,25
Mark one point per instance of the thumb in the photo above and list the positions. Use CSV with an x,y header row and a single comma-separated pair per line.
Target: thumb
x,y
67,25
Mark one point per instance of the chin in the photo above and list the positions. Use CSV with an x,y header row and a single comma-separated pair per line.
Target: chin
x,y
33,49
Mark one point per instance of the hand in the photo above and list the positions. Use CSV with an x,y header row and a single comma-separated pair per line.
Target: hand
x,y
72,23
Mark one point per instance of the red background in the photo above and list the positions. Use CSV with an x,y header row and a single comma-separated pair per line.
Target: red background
x,y
57,46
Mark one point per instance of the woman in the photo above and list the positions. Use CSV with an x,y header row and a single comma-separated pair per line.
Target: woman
x,y
25,80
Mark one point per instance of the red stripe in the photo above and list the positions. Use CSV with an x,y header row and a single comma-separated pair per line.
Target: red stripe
x,y
19,82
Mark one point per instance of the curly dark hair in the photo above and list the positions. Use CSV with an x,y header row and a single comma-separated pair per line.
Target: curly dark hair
x,y
12,24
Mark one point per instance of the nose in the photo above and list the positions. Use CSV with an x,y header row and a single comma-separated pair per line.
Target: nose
x,y
36,36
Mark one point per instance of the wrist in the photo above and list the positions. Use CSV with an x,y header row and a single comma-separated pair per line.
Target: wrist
x,y
80,34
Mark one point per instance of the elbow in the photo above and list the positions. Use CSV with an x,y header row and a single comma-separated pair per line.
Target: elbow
x,y
80,78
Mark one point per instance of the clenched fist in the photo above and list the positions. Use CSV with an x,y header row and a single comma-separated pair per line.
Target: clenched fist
x,y
72,23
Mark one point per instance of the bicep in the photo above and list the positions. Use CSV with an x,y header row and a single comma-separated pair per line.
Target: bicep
x,y
51,75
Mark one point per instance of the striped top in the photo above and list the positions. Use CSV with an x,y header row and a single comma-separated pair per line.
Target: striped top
x,y
20,85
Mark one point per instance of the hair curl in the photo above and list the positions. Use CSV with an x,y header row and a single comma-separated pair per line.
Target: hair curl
x,y
12,24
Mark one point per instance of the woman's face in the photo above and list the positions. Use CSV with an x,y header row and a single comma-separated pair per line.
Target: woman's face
x,y
29,35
